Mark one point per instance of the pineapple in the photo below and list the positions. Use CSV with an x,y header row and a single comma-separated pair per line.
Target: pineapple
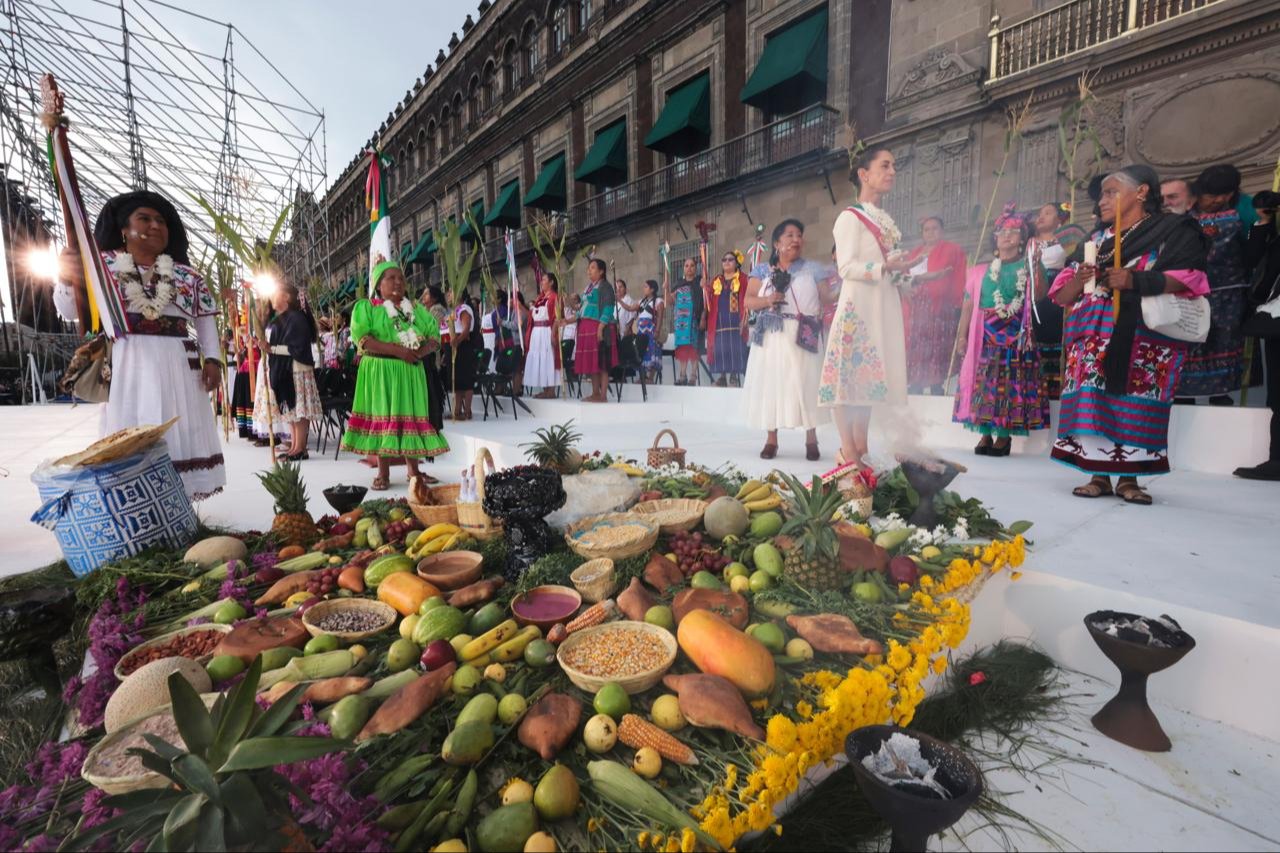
x,y
555,449
813,559
293,525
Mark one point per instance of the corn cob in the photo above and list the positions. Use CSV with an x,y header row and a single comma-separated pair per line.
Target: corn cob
x,y
592,616
636,732
311,560
633,795
324,665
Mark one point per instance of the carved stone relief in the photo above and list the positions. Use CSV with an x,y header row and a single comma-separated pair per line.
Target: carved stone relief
x,y
940,70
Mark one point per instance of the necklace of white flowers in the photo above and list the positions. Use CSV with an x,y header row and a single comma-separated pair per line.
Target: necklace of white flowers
x,y
148,298
402,321
1003,310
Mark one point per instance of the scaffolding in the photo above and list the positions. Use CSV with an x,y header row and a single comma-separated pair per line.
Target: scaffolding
x,y
202,114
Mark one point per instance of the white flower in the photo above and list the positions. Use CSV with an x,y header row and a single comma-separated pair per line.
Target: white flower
x,y
140,297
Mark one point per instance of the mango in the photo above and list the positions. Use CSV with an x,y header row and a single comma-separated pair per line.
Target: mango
x,y
467,744
507,828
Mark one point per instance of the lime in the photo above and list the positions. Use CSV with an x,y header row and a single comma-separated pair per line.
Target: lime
x,y
734,570
402,654
612,700
771,637
430,604
511,707
466,680
397,514
539,653
320,644
660,615
867,591
229,612
760,581
223,667
705,580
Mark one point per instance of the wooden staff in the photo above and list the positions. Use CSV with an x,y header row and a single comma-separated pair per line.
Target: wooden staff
x,y
1116,264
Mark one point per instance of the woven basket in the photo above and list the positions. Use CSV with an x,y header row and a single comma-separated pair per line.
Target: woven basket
x,y
595,580
622,552
687,513
444,510
471,516
164,638
659,456
630,683
386,611
853,489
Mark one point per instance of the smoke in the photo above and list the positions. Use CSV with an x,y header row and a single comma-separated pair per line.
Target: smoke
x,y
904,432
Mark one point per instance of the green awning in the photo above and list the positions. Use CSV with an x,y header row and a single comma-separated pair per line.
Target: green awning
x,y
477,213
792,71
405,251
606,163
684,127
506,208
548,191
421,253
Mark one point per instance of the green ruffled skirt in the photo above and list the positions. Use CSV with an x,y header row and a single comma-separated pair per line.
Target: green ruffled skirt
x,y
390,415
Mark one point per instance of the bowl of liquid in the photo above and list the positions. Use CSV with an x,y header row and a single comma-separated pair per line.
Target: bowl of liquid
x,y
545,606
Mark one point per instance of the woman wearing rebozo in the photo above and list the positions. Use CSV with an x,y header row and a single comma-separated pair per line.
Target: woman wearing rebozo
x,y
157,371
390,416
1119,377
866,357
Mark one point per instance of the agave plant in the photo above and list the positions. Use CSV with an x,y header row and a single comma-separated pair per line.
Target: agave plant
x,y
224,793
554,448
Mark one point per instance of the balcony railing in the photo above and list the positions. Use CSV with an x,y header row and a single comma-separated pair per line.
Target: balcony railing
x,y
1073,27
812,129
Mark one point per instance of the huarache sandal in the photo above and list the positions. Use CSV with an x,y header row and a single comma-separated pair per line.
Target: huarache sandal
x,y
1098,487
380,483
1131,493
769,451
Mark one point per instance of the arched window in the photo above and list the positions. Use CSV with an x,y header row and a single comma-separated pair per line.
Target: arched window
x,y
473,101
412,164
446,124
529,58
559,26
488,87
584,15
510,68
420,163
455,129
431,143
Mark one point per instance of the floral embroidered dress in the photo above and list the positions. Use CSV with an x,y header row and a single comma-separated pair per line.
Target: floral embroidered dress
x,y
155,369
1217,365
1001,387
866,358
390,415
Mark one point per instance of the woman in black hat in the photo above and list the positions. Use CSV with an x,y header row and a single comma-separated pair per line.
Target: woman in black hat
x,y
157,371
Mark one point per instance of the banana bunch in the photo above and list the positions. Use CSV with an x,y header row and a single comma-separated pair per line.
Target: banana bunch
x,y
628,469
436,538
758,496
502,644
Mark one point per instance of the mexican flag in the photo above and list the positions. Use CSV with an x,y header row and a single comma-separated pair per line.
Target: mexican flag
x,y
375,198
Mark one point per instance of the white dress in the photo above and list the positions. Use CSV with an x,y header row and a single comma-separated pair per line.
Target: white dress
x,y
156,377
781,386
540,367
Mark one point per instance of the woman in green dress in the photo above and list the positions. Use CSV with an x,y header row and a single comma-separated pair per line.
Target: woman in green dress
x,y
390,417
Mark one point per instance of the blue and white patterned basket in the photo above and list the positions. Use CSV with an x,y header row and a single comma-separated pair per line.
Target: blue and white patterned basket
x,y
106,512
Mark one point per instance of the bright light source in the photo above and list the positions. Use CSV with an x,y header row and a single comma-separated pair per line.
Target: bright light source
x,y
265,285
43,263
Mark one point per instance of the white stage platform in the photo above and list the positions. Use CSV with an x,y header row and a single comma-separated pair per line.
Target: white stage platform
x,y
1204,554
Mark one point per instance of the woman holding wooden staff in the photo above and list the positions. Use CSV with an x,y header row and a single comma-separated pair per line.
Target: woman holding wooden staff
x,y
1118,376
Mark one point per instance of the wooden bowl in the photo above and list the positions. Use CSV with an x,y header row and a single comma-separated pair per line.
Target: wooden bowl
x,y
452,569
340,605
676,514
546,623
202,660
637,683
595,579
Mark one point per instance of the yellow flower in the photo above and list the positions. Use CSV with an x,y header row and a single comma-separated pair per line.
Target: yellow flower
x,y
899,658
940,665
1015,575
642,840
673,845
781,733
777,829
593,825
804,710
687,840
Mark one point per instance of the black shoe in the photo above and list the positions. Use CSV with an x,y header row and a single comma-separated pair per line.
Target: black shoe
x,y
1221,400
982,450
1184,401
997,450
1269,470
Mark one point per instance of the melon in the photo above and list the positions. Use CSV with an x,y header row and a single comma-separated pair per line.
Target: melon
x,y
147,688
214,550
726,516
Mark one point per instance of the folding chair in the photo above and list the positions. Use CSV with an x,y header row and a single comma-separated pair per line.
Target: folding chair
x,y
630,360
572,382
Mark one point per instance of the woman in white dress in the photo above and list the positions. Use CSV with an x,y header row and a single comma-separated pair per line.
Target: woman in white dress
x,y
157,370
542,369
866,358
781,385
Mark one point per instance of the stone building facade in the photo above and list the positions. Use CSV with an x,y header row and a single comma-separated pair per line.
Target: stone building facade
x,y
760,93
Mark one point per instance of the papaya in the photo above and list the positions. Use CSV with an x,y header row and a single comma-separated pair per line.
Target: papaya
x,y
404,591
718,648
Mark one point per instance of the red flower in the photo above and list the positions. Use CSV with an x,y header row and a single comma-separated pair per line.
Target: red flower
x,y
977,678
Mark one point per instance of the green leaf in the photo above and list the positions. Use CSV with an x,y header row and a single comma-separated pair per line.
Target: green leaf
x,y
248,820
154,763
278,714
209,829
189,712
194,773
236,714
181,824
1019,527
163,748
140,799
256,753
137,816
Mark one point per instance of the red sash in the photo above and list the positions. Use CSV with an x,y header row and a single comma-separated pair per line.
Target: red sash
x,y
872,227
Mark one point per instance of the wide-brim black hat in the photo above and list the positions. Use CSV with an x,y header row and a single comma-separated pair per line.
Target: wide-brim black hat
x,y
108,231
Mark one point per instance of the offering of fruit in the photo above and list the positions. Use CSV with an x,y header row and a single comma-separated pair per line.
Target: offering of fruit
x,y
612,700
665,713
813,561
647,762
692,554
293,525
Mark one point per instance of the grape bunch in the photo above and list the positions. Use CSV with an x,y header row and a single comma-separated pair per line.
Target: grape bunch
x,y
324,582
396,531
692,555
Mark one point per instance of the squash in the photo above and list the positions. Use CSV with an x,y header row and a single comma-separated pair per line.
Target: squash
x,y
405,592
717,648
290,551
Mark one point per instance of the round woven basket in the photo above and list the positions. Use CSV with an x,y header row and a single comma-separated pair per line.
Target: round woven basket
x,y
340,605
443,510
471,516
595,580
615,552
631,683
685,513
203,659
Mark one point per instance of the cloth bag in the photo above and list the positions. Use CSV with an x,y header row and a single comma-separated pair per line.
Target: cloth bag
x,y
88,376
1177,317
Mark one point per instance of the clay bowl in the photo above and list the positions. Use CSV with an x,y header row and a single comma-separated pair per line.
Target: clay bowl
x,y
345,498
546,617
915,816
451,570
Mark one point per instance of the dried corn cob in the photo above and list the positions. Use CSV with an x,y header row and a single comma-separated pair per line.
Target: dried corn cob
x,y
636,732
592,616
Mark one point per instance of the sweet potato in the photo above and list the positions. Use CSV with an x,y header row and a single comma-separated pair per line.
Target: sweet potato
x,y
635,601
352,578
729,605
329,690
350,518
286,586
712,702
476,593
833,634
408,703
334,543
549,725
290,551
662,574
557,634
363,559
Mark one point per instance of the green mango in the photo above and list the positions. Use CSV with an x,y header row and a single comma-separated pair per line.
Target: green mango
x,y
507,828
349,714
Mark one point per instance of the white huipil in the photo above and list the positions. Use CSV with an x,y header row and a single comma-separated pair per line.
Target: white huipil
x,y
540,366
155,377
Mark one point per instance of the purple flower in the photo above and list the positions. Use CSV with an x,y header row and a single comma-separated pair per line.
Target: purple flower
x,y
198,620
265,560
